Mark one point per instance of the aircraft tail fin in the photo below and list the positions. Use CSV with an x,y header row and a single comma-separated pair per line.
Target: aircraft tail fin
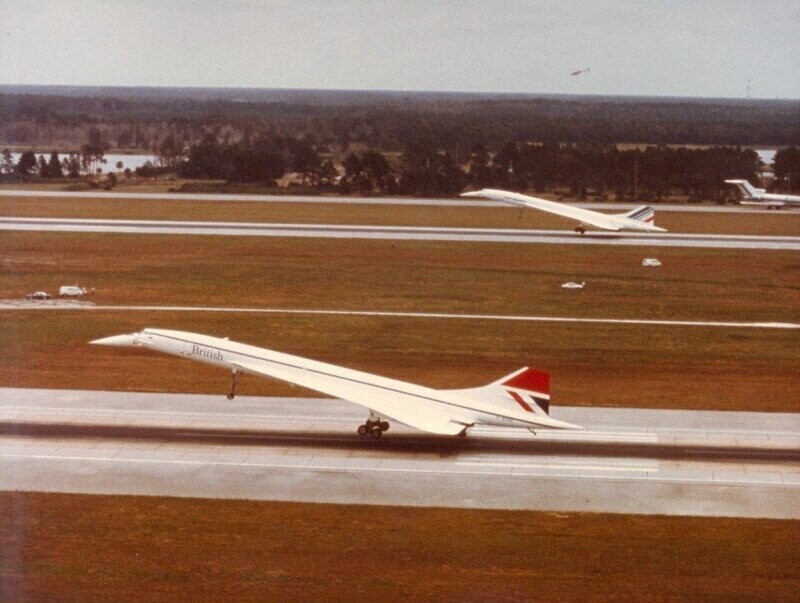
x,y
747,190
526,389
643,213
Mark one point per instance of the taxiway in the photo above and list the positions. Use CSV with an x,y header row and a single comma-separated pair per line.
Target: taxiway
x,y
70,304
234,198
416,233
305,449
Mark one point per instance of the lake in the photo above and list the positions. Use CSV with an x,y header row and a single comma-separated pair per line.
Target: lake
x,y
128,161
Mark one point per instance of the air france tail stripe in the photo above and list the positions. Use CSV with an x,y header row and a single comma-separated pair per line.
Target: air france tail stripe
x,y
639,215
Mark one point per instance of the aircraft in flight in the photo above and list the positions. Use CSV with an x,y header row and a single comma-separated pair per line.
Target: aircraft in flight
x,y
759,196
579,71
640,218
521,399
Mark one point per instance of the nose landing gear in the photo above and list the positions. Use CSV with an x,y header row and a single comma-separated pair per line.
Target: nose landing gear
x,y
234,379
375,428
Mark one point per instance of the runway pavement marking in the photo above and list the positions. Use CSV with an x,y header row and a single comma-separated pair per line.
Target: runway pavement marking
x,y
391,314
640,469
378,468
229,197
417,233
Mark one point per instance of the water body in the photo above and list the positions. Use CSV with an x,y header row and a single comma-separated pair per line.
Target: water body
x,y
111,159
767,156
131,162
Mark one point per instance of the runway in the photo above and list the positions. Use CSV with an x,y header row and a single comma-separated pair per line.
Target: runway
x,y
69,304
305,449
415,233
233,198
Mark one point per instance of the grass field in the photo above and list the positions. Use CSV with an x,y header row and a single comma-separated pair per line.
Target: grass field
x,y
764,223
76,547
604,365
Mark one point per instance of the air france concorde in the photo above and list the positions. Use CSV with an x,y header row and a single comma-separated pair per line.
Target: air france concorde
x,y
640,218
521,399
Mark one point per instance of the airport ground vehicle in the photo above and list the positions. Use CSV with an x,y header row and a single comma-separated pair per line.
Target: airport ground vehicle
x,y
38,295
71,291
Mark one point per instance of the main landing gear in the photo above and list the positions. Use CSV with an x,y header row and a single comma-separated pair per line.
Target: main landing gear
x,y
580,230
375,428
234,379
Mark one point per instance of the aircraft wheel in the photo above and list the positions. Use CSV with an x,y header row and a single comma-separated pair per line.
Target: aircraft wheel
x,y
376,432
384,425
362,430
230,396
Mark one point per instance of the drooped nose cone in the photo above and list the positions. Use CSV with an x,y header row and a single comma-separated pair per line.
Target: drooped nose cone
x,y
477,194
117,340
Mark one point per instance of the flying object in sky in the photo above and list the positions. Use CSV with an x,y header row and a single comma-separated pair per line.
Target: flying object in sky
x,y
759,196
579,71
640,218
521,399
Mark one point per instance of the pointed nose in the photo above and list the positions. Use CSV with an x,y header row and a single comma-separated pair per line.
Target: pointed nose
x,y
117,340
477,194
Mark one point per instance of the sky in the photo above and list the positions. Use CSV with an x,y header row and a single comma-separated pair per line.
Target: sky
x,y
706,48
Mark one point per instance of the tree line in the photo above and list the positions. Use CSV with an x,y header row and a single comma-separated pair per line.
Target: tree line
x,y
601,170
389,122
580,170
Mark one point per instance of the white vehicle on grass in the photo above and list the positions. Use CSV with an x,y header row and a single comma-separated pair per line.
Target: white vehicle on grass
x,y
71,291
521,399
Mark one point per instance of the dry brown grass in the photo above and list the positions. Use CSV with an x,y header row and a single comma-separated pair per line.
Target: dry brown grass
x,y
603,365
76,547
766,223
632,366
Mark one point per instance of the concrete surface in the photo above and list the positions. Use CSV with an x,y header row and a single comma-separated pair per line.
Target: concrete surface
x,y
306,449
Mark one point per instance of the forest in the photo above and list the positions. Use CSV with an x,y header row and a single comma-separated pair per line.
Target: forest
x,y
408,143
140,119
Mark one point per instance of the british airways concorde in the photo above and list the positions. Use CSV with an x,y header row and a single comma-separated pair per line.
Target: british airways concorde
x,y
521,399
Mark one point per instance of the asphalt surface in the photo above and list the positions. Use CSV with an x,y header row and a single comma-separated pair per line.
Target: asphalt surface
x,y
101,194
418,233
305,449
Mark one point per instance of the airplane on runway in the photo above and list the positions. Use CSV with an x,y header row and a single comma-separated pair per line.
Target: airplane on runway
x,y
521,399
759,196
640,218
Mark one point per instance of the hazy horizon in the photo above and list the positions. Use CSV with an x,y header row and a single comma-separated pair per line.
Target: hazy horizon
x,y
678,48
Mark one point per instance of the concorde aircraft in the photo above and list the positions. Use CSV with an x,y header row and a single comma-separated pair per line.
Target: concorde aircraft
x,y
640,218
759,196
521,399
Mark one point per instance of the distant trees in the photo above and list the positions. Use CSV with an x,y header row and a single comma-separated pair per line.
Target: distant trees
x,y
169,124
93,151
429,171
26,163
170,151
7,162
259,161
53,169
787,168
306,161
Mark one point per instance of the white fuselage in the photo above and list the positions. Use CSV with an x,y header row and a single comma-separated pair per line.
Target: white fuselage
x,y
339,381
